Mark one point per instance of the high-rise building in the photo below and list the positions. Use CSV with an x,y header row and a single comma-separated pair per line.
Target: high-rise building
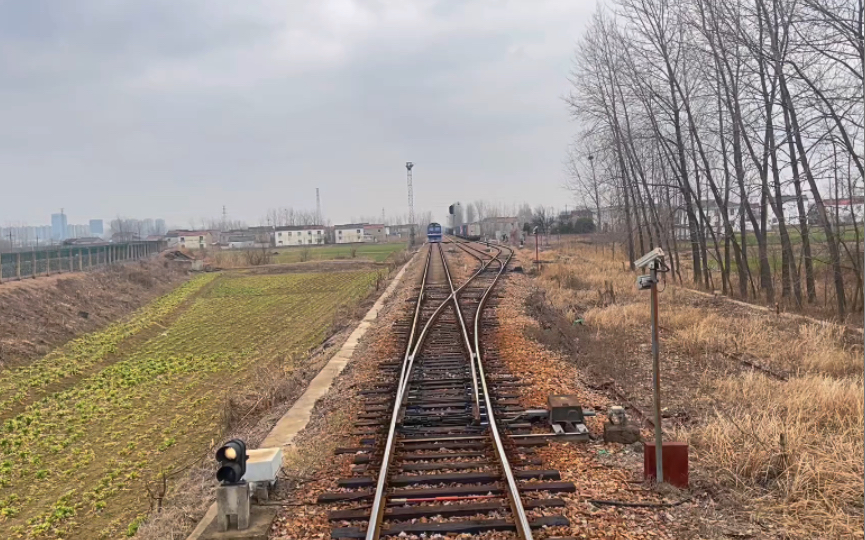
x,y
96,227
77,231
58,226
160,226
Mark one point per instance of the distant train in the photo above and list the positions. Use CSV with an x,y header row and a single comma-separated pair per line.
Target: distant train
x,y
434,233
469,231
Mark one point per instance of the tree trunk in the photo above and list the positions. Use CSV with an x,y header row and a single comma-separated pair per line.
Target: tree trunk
x,y
810,284
831,240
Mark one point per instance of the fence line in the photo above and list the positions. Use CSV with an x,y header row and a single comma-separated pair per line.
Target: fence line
x,y
72,258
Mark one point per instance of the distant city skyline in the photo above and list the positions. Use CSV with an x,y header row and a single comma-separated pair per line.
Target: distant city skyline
x,y
60,228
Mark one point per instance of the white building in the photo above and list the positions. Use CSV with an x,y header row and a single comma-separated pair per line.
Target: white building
x,y
790,206
299,235
842,211
349,233
500,228
374,233
189,239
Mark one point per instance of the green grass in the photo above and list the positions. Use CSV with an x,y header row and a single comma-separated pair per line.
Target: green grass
x,y
375,252
816,235
73,463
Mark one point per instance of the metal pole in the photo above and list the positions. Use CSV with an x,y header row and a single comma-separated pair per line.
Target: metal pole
x,y
656,379
537,257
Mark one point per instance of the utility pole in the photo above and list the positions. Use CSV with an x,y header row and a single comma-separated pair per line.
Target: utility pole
x,y
318,218
408,166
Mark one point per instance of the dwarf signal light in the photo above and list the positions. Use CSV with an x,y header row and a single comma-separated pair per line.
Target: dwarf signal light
x,y
232,462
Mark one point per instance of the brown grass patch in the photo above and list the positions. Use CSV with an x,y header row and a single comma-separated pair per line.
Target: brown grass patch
x,y
796,446
788,451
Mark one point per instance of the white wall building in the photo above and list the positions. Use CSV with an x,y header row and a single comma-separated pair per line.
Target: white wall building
x,y
349,233
301,235
843,211
189,239
790,206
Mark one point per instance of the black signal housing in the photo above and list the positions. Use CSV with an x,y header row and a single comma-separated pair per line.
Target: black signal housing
x,y
231,457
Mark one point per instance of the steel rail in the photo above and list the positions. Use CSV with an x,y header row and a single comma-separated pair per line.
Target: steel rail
x,y
476,407
416,316
521,520
378,506
465,246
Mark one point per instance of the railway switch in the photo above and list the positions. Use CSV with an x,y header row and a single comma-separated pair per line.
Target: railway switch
x,y
565,409
567,418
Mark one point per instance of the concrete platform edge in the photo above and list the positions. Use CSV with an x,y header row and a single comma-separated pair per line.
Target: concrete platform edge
x,y
293,421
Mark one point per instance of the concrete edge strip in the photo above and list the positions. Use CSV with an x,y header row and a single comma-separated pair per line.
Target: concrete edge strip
x,y
293,421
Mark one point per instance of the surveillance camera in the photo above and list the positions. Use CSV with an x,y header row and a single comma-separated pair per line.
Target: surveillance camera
x,y
649,258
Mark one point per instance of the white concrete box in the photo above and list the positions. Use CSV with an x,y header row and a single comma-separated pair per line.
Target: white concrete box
x,y
263,464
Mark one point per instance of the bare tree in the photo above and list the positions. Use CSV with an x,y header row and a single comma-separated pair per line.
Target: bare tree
x,y
481,208
470,213
705,119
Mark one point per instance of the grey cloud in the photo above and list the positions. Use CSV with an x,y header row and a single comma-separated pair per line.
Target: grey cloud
x,y
157,107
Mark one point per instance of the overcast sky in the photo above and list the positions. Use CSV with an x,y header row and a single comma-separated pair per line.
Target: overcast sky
x,y
172,108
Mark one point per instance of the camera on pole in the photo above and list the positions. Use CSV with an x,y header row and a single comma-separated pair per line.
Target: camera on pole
x,y
654,466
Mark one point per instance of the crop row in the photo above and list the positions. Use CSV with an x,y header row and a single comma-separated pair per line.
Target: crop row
x,y
77,458
81,353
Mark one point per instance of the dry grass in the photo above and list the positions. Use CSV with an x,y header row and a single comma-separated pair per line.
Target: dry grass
x,y
810,348
821,351
581,285
618,316
698,333
791,451
796,447
241,258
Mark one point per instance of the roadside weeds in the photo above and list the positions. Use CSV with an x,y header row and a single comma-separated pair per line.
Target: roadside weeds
x,y
772,407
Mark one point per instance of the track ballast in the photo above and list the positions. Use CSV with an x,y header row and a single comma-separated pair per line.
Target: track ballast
x,y
438,453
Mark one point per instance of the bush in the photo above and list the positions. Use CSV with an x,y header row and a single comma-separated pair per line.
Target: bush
x,y
584,226
257,257
580,226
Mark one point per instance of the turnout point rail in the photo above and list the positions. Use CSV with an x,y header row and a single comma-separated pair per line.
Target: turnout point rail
x,y
436,452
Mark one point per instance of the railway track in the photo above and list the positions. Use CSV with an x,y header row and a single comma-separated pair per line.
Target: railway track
x,y
440,434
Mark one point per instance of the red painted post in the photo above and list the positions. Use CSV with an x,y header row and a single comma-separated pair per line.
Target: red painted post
x,y
674,470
